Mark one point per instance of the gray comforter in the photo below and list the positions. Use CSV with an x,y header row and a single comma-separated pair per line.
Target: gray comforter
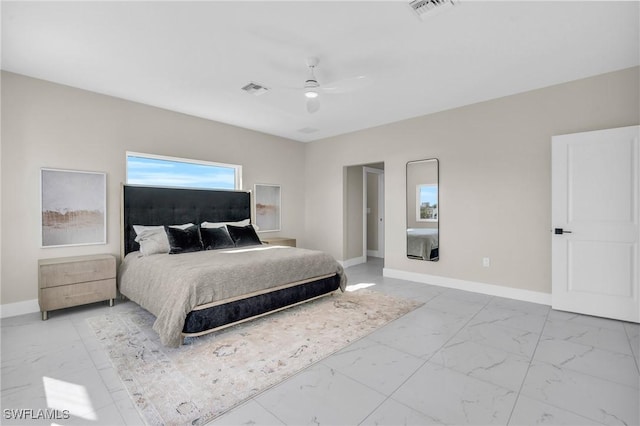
x,y
420,242
170,286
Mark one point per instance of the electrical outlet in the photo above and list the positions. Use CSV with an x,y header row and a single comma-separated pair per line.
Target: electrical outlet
x,y
486,262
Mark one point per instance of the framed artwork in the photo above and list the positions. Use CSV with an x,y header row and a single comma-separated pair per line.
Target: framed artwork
x,y
73,207
267,207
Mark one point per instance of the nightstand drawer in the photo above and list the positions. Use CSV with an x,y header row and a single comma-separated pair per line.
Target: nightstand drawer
x,y
77,294
54,273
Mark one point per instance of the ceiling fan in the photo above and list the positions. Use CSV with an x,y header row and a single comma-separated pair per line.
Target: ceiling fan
x,y
312,88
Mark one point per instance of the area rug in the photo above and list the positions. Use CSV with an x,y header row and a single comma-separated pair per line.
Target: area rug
x,y
211,374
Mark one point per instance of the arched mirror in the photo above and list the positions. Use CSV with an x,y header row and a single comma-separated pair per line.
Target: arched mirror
x,y
422,210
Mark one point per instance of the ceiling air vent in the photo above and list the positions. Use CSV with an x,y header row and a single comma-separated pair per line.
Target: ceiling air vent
x,y
428,8
254,88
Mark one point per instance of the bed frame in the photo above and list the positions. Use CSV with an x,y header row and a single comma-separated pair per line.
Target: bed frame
x,y
145,205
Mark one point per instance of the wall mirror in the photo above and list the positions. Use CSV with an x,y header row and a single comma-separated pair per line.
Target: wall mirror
x,y
423,210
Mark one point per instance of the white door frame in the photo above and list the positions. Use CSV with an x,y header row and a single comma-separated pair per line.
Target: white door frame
x,y
380,218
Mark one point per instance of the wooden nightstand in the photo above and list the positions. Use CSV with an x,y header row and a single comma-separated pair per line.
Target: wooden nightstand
x,y
70,281
280,241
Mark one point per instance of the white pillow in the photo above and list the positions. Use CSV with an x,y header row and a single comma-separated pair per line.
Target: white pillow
x,y
153,239
140,228
244,222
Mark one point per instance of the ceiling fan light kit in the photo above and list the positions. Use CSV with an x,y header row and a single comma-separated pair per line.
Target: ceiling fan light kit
x,y
310,93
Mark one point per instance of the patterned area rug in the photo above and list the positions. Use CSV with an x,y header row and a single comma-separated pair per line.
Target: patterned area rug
x,y
211,374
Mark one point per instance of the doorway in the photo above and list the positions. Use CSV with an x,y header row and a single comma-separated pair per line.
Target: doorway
x,y
363,212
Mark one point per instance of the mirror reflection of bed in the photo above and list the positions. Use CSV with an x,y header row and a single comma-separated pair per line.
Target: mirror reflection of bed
x,y
422,230
422,243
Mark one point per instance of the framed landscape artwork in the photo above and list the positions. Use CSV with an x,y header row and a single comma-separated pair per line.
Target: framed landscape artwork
x,y
74,205
267,205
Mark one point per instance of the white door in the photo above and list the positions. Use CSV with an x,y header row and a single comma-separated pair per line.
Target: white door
x,y
381,214
595,191
371,221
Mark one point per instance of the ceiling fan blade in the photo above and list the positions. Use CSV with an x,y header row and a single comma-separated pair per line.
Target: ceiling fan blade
x,y
313,105
347,85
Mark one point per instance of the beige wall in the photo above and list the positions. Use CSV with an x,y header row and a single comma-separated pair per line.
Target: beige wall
x,y
495,177
49,125
494,171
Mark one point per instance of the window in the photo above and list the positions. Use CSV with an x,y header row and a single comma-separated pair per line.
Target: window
x,y
427,203
156,170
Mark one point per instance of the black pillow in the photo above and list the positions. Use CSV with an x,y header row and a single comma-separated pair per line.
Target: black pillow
x,y
216,238
183,240
243,235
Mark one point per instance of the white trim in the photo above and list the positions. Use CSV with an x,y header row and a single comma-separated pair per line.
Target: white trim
x,y
381,214
475,287
19,308
353,262
374,253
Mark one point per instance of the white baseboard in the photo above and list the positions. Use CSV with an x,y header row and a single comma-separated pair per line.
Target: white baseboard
x,y
374,253
19,308
475,287
353,262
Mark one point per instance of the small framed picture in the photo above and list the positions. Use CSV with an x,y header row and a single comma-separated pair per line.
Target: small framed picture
x,y
267,207
74,207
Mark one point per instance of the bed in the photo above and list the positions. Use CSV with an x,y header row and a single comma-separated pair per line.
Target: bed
x,y
197,292
422,243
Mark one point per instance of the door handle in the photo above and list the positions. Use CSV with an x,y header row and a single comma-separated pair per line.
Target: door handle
x,y
560,231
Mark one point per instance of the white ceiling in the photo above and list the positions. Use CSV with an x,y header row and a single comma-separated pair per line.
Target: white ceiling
x,y
193,57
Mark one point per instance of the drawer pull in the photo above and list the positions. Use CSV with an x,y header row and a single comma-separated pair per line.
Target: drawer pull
x,y
93,271
75,296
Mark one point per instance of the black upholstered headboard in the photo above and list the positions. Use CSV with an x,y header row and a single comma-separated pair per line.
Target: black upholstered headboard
x,y
150,205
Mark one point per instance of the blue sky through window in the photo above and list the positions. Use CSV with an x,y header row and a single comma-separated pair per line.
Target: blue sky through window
x,y
429,194
165,172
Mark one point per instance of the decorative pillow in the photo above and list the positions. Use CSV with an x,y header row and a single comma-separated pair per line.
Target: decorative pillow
x,y
216,238
183,240
153,239
243,235
140,228
153,242
244,222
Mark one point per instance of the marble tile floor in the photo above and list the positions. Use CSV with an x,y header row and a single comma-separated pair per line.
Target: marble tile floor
x,y
461,358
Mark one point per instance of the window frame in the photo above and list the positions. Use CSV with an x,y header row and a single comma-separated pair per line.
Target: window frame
x,y
236,167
